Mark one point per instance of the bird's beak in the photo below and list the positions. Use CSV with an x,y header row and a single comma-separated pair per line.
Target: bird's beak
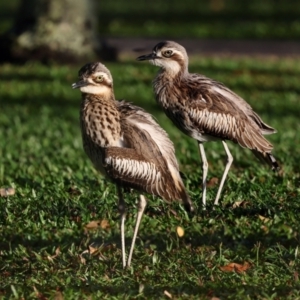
x,y
148,57
79,84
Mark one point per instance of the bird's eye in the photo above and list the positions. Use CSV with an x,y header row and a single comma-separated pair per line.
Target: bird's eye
x,y
99,78
167,53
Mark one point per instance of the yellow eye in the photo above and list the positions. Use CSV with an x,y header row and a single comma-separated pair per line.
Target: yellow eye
x,y
167,53
99,78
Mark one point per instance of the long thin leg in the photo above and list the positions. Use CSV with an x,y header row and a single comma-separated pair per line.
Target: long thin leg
x,y
229,162
122,211
141,208
204,175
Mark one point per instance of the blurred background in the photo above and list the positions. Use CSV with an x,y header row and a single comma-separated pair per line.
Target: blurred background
x,y
65,30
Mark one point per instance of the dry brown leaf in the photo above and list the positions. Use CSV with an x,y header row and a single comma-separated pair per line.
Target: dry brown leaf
x,y
240,204
180,231
264,219
104,224
237,204
212,182
5,192
82,259
234,267
38,294
50,258
93,250
58,296
57,251
166,293
265,228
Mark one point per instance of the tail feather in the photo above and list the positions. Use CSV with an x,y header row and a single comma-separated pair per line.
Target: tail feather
x,y
186,200
267,158
177,189
265,128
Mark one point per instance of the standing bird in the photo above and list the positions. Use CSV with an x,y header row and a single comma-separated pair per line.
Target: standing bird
x,y
206,110
125,144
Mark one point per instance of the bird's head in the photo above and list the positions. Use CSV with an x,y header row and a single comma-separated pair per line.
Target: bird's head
x,y
169,55
94,78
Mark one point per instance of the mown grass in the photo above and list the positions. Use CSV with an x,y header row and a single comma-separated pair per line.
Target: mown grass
x,y
255,19
43,246
233,19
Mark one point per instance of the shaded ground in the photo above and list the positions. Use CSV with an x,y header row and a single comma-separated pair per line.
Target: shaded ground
x,y
216,46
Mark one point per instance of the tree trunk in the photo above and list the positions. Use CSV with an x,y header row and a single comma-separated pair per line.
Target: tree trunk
x,y
53,30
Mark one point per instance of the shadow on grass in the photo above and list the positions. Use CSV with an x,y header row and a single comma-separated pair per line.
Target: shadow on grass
x,y
207,291
126,283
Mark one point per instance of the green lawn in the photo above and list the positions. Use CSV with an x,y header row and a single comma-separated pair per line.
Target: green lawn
x,y
234,19
44,247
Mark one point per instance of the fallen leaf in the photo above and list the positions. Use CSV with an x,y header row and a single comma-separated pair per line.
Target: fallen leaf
x,y
57,251
234,267
265,228
38,294
5,192
180,231
50,258
92,250
240,204
82,259
167,294
212,182
58,296
104,224
264,219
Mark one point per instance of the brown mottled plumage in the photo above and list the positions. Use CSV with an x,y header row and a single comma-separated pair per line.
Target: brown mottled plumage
x,y
205,109
125,144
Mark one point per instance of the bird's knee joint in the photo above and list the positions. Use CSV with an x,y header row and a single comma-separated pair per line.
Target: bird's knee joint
x,y
122,208
205,165
142,203
229,159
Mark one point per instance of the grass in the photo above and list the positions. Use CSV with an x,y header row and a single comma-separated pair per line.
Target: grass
x,y
45,250
256,19
233,19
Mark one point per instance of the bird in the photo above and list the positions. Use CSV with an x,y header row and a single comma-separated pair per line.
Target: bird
x,y
206,110
126,144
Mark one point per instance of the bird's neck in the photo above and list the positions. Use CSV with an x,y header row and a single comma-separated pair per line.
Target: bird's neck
x,y
101,120
170,76
103,98
165,84
175,72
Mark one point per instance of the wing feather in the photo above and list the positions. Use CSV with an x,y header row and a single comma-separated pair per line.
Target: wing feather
x,y
149,151
225,122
